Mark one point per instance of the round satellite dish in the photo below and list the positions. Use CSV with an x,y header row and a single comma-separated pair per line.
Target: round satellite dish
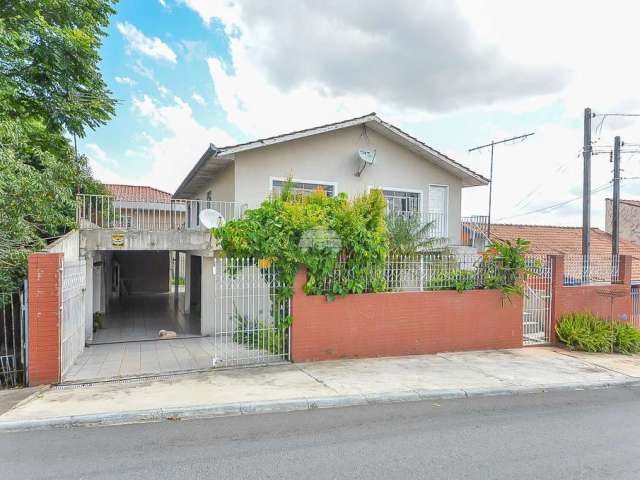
x,y
211,218
367,155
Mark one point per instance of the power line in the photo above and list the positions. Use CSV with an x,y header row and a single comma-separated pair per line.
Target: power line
x,y
555,205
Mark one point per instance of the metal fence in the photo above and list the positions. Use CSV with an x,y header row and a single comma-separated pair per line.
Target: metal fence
x,y
437,222
103,211
474,231
536,312
251,313
635,305
591,270
416,273
13,355
72,332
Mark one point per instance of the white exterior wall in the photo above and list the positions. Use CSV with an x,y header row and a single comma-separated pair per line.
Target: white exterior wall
x,y
68,245
331,157
222,186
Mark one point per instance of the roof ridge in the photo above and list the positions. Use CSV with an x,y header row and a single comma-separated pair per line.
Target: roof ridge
x,y
293,132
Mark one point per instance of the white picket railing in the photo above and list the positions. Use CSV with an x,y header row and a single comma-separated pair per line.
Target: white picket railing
x,y
103,211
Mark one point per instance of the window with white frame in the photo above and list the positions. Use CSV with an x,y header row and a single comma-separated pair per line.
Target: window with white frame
x,y
303,187
402,202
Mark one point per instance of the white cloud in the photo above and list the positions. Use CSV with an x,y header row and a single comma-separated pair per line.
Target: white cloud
x,y
199,99
125,80
139,42
163,3
102,166
164,91
171,157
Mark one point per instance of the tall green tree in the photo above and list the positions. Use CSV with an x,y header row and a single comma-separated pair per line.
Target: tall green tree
x,y
50,89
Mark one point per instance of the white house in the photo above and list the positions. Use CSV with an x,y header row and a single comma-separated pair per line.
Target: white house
x,y
350,156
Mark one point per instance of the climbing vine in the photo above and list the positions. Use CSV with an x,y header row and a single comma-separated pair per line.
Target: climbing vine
x,y
316,231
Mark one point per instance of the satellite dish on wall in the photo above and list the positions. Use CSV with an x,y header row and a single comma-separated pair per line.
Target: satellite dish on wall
x,y
367,156
211,218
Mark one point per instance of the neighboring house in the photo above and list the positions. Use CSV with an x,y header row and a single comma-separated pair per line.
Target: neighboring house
x,y
137,206
415,178
551,240
629,223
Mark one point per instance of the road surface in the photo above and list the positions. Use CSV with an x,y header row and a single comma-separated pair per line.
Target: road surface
x,y
573,435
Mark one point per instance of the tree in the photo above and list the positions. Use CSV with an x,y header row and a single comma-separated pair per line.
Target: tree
x,y
50,87
49,62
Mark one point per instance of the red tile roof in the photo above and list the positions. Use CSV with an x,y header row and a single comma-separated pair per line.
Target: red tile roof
x,y
137,193
547,239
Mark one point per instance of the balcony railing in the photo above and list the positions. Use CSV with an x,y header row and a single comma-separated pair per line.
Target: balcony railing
x,y
474,231
438,224
103,211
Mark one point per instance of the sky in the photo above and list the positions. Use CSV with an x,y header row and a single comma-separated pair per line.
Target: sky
x,y
454,73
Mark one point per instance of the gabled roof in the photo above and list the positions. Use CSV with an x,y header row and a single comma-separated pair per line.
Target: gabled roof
x,y
216,158
137,193
547,239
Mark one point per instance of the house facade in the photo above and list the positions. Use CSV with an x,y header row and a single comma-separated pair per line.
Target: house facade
x,y
414,178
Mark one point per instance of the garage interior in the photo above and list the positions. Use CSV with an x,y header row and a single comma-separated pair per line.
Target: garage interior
x,y
145,294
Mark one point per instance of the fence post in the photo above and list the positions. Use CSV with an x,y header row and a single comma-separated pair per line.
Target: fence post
x,y
625,269
557,283
45,302
298,295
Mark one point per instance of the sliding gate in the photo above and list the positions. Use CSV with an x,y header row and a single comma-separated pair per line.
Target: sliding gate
x,y
251,311
536,314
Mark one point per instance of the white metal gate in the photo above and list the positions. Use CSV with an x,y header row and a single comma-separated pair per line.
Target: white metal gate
x,y
73,315
536,314
635,305
251,313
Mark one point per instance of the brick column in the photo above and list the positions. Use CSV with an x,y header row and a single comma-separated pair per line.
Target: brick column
x,y
45,300
557,283
625,273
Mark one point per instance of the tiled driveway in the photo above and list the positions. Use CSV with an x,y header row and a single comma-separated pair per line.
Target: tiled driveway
x,y
132,359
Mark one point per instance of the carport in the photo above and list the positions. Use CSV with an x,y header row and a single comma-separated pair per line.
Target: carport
x,y
145,296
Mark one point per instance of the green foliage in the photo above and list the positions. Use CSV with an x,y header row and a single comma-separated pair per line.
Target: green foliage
x,y
50,85
258,334
277,232
508,265
408,235
458,280
626,338
49,63
585,331
590,333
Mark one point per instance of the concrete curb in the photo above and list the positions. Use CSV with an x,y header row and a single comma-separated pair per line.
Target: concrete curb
x,y
290,405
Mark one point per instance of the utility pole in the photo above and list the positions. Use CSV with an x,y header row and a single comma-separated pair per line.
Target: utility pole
x,y
492,145
615,217
586,193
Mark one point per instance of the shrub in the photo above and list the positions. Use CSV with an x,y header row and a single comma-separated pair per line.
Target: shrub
x,y
459,280
585,331
626,338
588,332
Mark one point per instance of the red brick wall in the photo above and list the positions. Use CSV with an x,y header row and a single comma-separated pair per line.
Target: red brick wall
x,y
608,301
45,296
387,324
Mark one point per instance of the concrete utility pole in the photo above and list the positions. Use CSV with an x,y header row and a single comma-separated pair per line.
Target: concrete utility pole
x,y
586,193
492,145
615,217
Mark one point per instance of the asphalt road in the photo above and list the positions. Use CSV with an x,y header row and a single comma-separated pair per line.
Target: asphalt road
x,y
577,435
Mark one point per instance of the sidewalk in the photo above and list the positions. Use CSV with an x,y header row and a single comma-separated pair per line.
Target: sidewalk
x,y
323,384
